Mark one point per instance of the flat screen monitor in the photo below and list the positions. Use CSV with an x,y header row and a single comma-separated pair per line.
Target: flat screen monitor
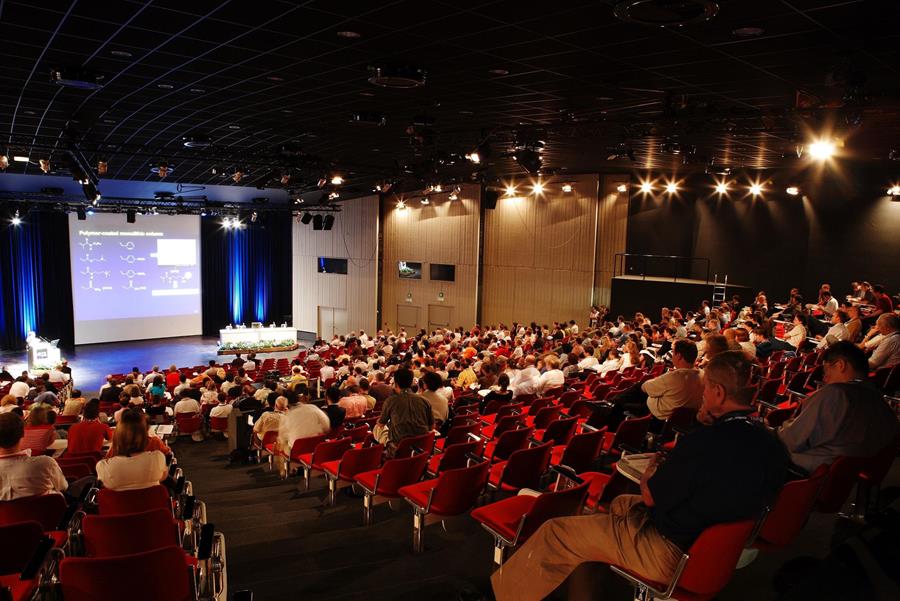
x,y
329,265
442,272
408,270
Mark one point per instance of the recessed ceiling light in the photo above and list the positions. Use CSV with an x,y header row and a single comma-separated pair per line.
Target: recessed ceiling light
x,y
274,78
287,111
376,150
109,121
350,35
747,32
29,112
498,72
466,112
234,126
165,86
198,90
366,94
121,53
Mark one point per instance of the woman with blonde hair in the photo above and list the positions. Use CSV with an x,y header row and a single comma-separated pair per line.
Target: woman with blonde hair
x,y
8,403
129,466
552,377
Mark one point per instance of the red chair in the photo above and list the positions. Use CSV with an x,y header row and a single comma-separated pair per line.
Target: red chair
x,y
559,432
18,543
504,424
128,533
23,560
92,579
542,418
351,463
454,456
789,512
383,484
458,434
581,452
324,452
523,469
508,443
66,419
569,397
630,433
703,571
358,433
75,471
47,510
188,423
415,444
218,424
767,393
846,472
511,521
301,447
452,493
119,502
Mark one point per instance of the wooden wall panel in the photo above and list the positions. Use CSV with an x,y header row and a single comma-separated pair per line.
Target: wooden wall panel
x,y
612,226
539,254
444,231
353,237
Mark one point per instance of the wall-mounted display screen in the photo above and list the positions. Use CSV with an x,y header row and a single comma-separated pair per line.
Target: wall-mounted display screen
x,y
444,273
408,270
329,265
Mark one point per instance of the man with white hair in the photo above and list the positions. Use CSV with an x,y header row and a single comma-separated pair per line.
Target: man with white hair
x,y
271,420
888,350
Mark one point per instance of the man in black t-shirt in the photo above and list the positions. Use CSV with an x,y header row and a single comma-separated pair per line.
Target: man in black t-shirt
x,y
726,472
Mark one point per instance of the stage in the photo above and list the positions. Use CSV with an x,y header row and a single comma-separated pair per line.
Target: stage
x,y
648,294
91,363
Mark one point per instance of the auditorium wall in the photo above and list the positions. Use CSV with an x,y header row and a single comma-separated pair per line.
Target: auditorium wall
x,y
347,301
445,232
539,254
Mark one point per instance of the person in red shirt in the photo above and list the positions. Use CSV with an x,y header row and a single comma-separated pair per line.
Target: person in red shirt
x,y
173,377
883,302
88,435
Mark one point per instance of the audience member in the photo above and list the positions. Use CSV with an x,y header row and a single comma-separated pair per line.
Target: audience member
x,y
404,413
21,474
679,387
888,350
88,435
129,465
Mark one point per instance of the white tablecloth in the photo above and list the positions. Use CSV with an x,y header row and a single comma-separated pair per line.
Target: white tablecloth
x,y
256,334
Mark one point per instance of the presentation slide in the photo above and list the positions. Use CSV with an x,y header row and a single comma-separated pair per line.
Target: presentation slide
x,y
134,281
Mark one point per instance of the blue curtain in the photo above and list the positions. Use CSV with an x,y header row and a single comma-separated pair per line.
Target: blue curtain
x,y
36,290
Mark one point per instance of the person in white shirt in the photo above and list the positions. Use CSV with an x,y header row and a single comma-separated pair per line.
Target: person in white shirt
x,y
589,360
326,372
22,475
837,331
527,380
680,387
271,420
888,350
797,335
363,338
301,421
613,362
827,303
210,394
250,363
129,466
57,376
553,377
19,389
187,405
262,394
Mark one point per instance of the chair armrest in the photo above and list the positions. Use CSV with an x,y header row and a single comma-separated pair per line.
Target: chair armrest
x,y
204,546
586,427
416,450
36,561
474,437
534,441
566,472
474,457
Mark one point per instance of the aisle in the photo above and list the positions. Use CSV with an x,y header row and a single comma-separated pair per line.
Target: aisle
x,y
286,545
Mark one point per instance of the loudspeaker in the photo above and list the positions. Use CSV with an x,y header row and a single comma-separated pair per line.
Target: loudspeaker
x,y
328,222
317,221
489,199
307,217
130,215
82,215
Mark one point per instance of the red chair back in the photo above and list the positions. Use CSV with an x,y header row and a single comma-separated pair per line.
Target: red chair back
x,y
546,415
526,399
306,445
554,504
791,510
455,455
269,438
505,424
582,450
47,510
90,579
457,490
18,542
128,533
188,423
458,434
560,431
219,424
358,433
119,502
580,408
397,473
510,442
66,419
526,466
407,446
356,461
845,472
507,410
331,450
75,471
713,557
631,432
768,390
569,397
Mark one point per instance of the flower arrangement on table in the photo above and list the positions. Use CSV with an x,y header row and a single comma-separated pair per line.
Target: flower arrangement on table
x,y
257,345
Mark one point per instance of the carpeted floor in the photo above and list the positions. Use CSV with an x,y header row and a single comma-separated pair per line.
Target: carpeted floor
x,y
285,545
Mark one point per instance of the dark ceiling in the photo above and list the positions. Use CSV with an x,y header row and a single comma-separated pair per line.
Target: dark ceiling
x,y
255,77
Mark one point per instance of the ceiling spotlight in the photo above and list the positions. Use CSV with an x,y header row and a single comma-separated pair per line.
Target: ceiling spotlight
x,y
227,223
45,165
893,190
454,195
437,188
285,179
793,190
163,170
254,216
821,149
336,180
474,157
4,162
622,188
537,188
102,167
510,190
756,189
80,213
306,218
671,188
333,196
350,35
238,176
20,158
722,188
16,218
401,205
646,187
529,159
425,200
566,188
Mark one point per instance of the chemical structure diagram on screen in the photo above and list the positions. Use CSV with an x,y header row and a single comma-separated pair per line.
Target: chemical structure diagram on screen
x,y
131,274
91,275
131,259
127,245
176,277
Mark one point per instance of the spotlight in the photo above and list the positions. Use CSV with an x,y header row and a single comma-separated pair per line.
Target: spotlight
x,y
566,188
102,167
671,188
537,188
425,200
163,170
474,157
328,222
646,187
238,176
285,179
20,158
401,205
510,190
79,211
336,180
821,150
4,162
480,154
756,189
622,188
130,215
227,223
455,194
254,216
793,190
317,222
529,159
307,217
893,190
16,219
45,165
333,196
721,188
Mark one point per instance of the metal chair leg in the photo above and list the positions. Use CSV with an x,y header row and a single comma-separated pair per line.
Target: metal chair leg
x,y
418,532
367,509
499,552
332,489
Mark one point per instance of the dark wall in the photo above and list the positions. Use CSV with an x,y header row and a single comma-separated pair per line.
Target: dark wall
x,y
842,228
